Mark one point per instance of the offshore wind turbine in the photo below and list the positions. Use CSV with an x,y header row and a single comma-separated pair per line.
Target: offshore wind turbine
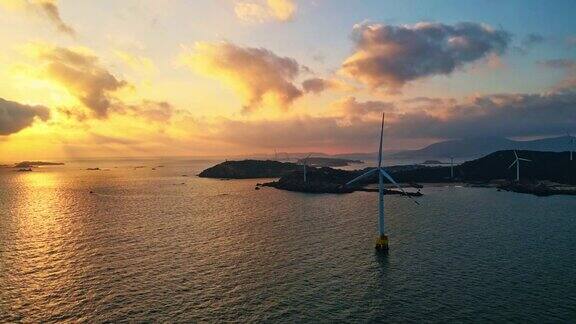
x,y
571,145
517,162
382,240
304,161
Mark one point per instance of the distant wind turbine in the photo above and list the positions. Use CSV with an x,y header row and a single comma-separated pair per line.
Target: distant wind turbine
x,y
304,161
571,145
382,240
517,162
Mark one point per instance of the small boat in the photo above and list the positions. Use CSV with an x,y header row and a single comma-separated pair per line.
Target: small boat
x,y
25,170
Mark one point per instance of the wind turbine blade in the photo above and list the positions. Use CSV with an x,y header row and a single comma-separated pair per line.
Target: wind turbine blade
x,y
516,155
521,159
389,177
380,147
511,165
305,160
363,176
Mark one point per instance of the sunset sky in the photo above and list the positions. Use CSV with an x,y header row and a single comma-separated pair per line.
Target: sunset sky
x,y
109,78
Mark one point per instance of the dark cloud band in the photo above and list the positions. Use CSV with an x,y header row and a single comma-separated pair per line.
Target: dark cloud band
x,y
15,116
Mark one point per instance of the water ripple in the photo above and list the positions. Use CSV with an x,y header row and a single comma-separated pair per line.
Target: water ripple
x,y
141,249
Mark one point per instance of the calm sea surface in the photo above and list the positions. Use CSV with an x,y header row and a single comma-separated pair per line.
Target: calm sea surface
x,y
160,246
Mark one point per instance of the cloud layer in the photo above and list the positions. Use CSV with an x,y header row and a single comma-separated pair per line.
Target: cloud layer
x,y
15,116
512,115
354,109
261,11
389,56
355,123
259,75
83,76
50,9
300,133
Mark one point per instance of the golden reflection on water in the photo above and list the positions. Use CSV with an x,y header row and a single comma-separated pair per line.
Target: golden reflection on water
x,y
39,251
38,203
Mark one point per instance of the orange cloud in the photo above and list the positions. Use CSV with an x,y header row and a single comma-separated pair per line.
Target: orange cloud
x,y
81,73
257,74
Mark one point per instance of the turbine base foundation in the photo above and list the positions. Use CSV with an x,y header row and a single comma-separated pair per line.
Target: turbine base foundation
x,y
382,243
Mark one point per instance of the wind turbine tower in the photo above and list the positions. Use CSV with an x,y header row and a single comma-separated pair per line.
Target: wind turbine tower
x,y
517,162
571,145
304,162
382,239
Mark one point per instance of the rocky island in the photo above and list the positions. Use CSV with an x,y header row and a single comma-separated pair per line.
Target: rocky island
x,y
324,180
33,164
249,169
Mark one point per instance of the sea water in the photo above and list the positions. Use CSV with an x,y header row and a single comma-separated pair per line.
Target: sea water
x,y
131,243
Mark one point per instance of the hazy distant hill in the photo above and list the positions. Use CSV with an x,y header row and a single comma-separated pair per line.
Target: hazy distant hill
x,y
469,148
460,149
553,166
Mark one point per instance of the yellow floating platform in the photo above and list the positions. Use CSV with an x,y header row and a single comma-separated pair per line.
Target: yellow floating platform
x,y
382,243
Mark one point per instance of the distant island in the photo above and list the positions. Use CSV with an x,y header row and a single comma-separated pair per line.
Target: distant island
x,y
549,173
249,169
32,164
